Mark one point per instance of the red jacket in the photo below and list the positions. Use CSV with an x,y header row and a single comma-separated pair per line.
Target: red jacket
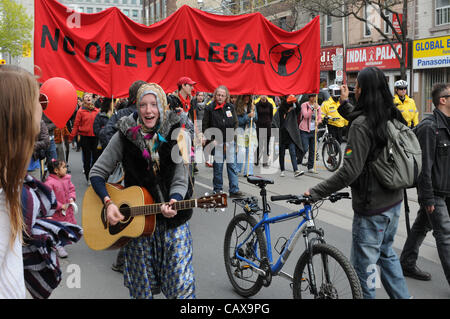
x,y
84,122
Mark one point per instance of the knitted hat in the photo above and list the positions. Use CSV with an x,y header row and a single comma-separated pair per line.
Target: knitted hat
x,y
158,92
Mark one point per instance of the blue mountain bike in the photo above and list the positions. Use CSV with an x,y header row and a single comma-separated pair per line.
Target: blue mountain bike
x,y
322,271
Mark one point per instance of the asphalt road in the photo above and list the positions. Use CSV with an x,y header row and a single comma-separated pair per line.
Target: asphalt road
x,y
87,274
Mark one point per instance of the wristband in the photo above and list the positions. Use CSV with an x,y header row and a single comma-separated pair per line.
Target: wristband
x,y
108,202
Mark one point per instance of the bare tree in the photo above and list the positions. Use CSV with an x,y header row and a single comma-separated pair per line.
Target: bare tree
x,y
269,9
384,10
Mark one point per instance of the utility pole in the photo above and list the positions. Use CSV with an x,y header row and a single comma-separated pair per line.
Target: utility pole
x,y
344,46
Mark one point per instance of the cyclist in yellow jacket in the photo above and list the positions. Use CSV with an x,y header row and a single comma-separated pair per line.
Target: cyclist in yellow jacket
x,y
329,108
405,104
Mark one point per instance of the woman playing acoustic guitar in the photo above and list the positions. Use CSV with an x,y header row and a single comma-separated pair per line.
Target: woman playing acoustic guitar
x,y
162,261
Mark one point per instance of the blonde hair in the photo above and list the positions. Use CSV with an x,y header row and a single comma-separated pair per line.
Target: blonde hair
x,y
19,95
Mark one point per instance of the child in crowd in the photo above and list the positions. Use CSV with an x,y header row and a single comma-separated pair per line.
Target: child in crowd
x,y
59,181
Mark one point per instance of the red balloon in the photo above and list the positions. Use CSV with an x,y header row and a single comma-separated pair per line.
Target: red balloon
x,y
62,100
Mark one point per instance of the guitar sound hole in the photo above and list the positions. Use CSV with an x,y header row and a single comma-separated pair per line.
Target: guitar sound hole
x,y
120,226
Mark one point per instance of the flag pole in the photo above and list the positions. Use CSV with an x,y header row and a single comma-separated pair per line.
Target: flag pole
x,y
315,134
250,138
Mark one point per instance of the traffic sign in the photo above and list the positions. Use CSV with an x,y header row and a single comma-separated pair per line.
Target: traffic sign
x,y
339,75
338,62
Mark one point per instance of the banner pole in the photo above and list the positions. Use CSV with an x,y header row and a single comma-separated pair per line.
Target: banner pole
x,y
250,139
315,135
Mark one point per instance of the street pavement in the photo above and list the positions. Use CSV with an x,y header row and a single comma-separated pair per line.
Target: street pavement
x,y
87,274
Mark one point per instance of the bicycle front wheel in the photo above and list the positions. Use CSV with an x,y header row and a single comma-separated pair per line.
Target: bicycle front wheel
x,y
329,275
331,154
244,279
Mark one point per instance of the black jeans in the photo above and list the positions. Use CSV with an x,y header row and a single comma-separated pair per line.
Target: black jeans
x,y
439,222
336,132
282,149
90,152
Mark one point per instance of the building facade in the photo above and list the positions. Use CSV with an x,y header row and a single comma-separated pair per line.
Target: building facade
x,y
367,47
131,8
430,49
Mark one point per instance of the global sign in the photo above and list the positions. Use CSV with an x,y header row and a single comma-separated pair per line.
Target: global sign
x,y
431,53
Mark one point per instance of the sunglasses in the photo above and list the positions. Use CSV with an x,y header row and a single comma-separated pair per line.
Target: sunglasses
x,y
401,88
445,96
43,100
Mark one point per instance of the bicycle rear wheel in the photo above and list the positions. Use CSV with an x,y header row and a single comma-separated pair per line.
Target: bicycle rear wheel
x,y
244,279
335,277
331,154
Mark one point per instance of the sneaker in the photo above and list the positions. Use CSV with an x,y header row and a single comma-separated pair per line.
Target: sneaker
x,y
282,174
416,273
237,194
298,173
62,253
117,267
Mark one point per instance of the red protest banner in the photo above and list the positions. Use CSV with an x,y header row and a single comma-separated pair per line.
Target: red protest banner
x,y
105,52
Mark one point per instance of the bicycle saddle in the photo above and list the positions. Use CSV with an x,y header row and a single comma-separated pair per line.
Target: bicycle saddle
x,y
258,180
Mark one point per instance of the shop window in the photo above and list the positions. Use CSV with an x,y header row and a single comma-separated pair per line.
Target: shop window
x,y
368,16
328,28
433,76
387,29
158,10
282,23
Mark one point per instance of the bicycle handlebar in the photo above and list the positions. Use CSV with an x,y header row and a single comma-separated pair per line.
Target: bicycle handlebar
x,y
299,199
281,197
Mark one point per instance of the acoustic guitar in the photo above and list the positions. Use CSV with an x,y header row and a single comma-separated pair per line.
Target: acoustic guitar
x,y
137,206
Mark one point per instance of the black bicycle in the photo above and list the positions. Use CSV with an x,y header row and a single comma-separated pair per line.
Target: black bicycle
x,y
322,271
331,149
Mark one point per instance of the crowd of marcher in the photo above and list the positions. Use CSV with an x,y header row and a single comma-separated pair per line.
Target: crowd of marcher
x,y
132,140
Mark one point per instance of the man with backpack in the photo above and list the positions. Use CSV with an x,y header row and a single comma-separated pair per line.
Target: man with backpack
x,y
433,187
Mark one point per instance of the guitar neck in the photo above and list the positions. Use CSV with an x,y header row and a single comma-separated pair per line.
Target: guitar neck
x,y
154,209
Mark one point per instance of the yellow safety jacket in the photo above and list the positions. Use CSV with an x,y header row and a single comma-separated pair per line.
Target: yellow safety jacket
x,y
330,108
408,109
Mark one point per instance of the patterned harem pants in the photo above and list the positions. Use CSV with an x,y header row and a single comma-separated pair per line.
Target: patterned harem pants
x,y
161,262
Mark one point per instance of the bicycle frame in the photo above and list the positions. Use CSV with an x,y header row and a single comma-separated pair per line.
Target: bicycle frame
x,y
307,222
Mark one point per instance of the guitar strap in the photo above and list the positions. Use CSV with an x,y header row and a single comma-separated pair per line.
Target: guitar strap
x,y
156,176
